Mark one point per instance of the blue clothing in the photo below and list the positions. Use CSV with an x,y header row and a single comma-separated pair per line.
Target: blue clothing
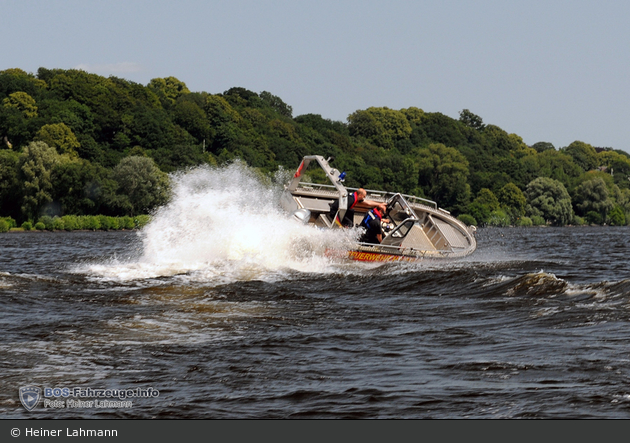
x,y
372,224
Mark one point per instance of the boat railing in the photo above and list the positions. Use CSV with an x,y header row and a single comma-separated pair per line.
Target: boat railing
x,y
371,193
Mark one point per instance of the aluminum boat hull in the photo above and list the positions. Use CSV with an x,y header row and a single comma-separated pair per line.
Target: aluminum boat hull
x,y
419,229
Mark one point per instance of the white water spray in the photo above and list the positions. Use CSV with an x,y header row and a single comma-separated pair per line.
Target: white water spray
x,y
226,224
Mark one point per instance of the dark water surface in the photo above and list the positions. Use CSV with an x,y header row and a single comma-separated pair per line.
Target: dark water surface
x,y
535,324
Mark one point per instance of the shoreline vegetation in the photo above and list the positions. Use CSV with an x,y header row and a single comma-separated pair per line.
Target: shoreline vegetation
x,y
72,143
76,223
105,223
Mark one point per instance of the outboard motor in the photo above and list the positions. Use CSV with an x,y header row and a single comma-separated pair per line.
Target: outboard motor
x,y
302,215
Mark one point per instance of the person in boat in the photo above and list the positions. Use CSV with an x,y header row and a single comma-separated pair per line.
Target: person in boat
x,y
372,222
355,198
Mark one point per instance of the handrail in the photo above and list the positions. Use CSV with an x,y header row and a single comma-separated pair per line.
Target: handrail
x,y
384,194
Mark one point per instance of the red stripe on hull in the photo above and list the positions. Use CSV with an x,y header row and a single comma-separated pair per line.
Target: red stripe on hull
x,y
369,256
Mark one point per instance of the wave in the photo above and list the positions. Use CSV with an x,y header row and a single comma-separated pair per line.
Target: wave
x,y
224,225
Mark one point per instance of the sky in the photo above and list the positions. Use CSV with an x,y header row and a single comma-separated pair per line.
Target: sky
x,y
555,71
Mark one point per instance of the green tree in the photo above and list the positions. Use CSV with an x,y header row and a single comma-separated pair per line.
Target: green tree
x,y
471,120
499,218
503,144
583,154
483,206
617,216
82,188
168,88
22,102
439,128
594,218
219,111
17,117
15,79
486,197
60,137
548,198
381,126
556,165
543,146
593,196
142,186
617,165
414,115
276,104
10,187
405,179
36,163
189,115
513,200
443,174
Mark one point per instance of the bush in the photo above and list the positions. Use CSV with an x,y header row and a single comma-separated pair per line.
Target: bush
x,y
4,225
47,220
10,221
467,219
480,212
127,223
91,223
141,220
594,218
87,222
578,221
499,218
113,223
82,221
104,221
537,220
58,224
617,217
523,221
70,222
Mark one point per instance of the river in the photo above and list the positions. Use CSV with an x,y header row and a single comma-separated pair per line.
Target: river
x,y
203,314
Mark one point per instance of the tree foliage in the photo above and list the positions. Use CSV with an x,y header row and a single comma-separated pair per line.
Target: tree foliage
x,y
443,174
168,89
60,137
21,102
100,140
142,186
513,200
381,126
583,154
471,120
483,206
593,195
548,198
36,163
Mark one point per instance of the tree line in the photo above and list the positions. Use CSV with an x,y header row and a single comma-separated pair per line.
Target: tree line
x,y
75,143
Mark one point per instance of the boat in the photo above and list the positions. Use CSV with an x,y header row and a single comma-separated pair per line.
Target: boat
x,y
417,229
